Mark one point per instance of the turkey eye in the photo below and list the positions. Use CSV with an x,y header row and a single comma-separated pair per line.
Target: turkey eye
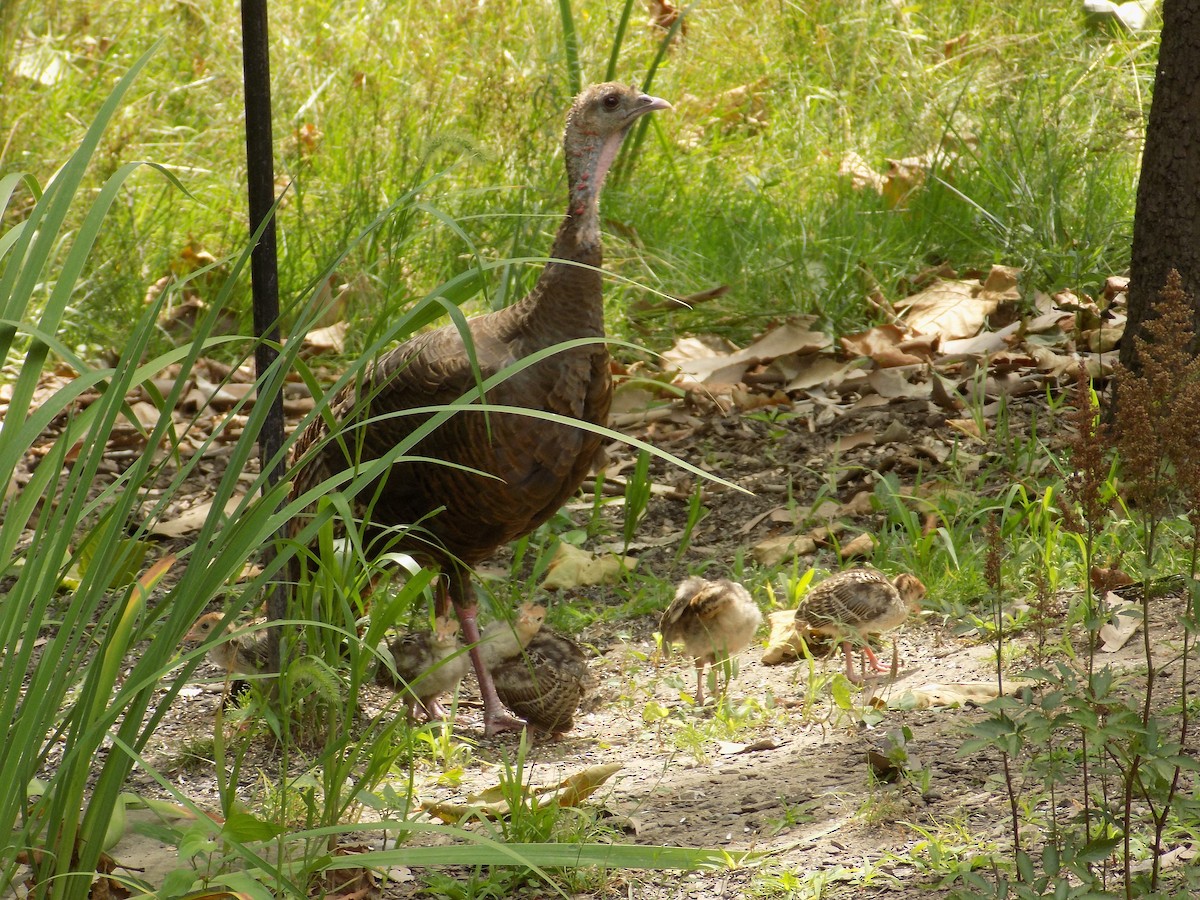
x,y
611,101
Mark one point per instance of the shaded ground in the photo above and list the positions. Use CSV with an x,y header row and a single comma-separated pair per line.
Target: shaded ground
x,y
692,777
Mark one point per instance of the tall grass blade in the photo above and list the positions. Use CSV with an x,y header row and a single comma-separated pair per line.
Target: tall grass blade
x,y
571,47
614,57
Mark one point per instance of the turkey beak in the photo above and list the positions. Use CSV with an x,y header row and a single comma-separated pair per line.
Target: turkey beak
x,y
649,104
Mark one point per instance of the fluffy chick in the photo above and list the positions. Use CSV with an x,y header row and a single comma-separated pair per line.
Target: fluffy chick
x,y
712,619
239,653
428,664
546,683
503,639
854,604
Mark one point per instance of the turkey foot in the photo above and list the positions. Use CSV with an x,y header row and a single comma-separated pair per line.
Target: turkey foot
x,y
495,719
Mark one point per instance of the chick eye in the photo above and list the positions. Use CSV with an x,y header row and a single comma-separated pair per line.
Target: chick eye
x,y
611,101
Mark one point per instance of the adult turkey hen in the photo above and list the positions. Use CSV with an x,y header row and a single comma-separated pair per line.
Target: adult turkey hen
x,y
488,479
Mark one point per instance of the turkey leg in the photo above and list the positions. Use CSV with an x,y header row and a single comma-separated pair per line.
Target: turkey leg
x,y
458,592
879,667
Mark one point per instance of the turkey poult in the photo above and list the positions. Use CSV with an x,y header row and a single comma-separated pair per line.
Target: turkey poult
x,y
529,466
545,684
712,619
238,653
503,639
853,604
428,664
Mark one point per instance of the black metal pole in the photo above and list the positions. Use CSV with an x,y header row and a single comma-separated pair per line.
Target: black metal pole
x,y
264,270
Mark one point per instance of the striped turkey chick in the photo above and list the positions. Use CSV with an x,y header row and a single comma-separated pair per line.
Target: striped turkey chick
x,y
238,653
852,605
712,619
428,664
545,683
503,639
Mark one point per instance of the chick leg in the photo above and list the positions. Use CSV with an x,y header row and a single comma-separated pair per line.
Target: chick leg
x,y
495,719
851,675
870,654
699,684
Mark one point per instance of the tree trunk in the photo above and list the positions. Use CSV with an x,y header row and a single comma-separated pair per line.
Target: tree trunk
x,y
1166,225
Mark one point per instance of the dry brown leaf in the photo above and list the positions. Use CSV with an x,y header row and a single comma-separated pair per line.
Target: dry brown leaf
x,y
957,694
191,520
882,344
847,442
1106,337
1126,620
746,400
944,393
572,567
951,309
819,370
574,789
729,368
774,550
859,172
983,344
969,427
893,384
860,547
491,803
787,638
330,339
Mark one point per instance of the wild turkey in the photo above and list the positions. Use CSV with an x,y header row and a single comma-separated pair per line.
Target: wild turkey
x,y
529,466
713,619
545,684
428,664
853,604
240,653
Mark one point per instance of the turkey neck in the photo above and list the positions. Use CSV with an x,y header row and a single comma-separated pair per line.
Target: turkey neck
x,y
567,299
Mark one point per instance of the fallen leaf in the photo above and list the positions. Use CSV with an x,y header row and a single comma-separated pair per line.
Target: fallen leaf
x,y
969,427
774,550
881,344
957,694
330,339
816,370
572,567
732,748
791,338
1126,620
847,442
574,789
786,641
951,309
861,546
191,520
893,384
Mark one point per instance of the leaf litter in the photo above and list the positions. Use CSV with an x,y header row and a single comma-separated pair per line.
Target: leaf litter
x,y
795,414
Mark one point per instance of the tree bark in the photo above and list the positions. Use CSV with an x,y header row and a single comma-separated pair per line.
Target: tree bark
x,y
1166,225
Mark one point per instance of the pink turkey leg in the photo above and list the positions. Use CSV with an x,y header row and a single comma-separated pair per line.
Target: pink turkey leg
x,y
495,719
874,661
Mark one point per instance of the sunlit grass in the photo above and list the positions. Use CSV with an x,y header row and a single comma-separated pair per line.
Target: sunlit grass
x,y
729,188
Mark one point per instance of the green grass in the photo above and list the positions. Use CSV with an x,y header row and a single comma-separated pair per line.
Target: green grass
x,y
419,142
371,99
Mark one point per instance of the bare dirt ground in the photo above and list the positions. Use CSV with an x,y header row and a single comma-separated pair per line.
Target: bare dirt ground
x,y
781,772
